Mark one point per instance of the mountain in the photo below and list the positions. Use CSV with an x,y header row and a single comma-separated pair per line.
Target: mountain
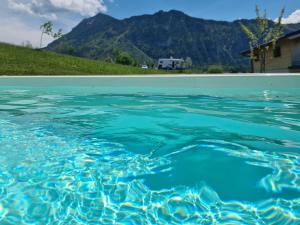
x,y
150,37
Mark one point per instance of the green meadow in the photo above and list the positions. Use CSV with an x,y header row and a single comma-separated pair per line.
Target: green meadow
x,y
16,60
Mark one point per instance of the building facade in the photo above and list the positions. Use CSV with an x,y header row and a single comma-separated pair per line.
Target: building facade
x,y
284,58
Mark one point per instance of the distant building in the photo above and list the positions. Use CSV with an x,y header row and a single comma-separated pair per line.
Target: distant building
x,y
171,64
285,57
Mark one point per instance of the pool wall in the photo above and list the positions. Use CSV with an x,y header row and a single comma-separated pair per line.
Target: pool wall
x,y
179,84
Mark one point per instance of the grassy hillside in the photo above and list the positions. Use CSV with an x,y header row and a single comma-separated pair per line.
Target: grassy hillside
x,y
15,60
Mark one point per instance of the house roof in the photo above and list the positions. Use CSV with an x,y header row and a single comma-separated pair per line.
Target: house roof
x,y
291,36
171,59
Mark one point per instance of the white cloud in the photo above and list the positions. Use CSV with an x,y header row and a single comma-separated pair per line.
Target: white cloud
x,y
31,9
16,31
20,20
292,18
49,8
84,7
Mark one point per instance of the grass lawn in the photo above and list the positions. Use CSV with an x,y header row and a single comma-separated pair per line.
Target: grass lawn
x,y
15,60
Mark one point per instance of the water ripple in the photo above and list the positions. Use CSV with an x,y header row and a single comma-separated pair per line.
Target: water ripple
x,y
139,159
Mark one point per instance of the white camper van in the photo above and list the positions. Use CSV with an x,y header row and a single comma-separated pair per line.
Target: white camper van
x,y
171,64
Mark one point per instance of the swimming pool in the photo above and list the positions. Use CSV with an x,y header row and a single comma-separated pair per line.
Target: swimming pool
x,y
152,150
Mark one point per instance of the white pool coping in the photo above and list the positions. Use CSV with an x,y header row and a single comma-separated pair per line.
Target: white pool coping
x,y
164,75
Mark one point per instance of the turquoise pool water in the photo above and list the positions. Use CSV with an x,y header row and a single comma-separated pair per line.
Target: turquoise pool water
x,y
78,156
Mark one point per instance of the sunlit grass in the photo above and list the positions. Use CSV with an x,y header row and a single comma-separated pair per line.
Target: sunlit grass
x,y
15,60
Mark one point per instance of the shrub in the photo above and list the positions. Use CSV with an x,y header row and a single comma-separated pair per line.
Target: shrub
x,y
109,60
215,69
124,59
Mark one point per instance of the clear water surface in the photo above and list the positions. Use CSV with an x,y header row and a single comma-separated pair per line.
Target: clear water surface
x,y
76,156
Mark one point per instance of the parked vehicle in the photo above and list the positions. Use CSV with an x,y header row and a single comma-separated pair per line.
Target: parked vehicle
x,y
145,67
171,64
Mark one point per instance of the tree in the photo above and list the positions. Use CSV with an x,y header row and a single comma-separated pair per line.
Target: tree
x,y
47,28
263,34
215,69
124,58
188,62
27,44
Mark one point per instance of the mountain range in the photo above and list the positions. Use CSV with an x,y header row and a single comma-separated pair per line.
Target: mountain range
x,y
147,38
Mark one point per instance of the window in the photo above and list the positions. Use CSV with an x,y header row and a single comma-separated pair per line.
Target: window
x,y
277,52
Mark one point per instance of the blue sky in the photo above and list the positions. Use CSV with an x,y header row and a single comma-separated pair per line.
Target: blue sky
x,y
210,9
20,19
